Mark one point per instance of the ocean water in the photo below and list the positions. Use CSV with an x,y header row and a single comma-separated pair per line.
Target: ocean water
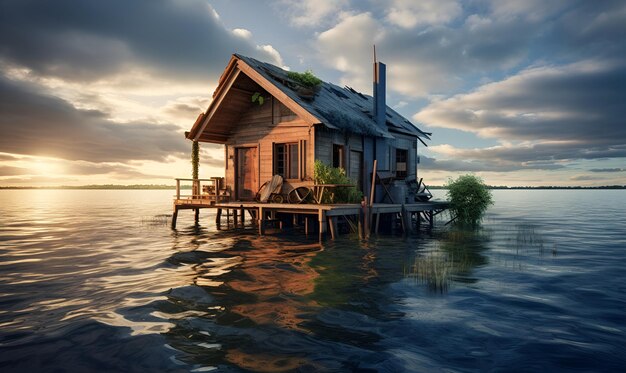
x,y
97,281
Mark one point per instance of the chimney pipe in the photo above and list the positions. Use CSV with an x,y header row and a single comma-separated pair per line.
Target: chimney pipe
x,y
380,105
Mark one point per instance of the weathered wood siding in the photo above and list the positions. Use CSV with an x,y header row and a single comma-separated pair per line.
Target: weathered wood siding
x,y
262,127
353,147
408,143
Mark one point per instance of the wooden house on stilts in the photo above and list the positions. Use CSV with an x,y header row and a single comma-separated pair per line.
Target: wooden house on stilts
x,y
291,126
290,130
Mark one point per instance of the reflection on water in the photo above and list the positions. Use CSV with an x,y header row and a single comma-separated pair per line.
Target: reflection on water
x,y
97,281
449,258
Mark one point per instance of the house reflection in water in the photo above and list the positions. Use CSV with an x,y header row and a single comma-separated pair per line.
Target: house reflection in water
x,y
279,304
254,293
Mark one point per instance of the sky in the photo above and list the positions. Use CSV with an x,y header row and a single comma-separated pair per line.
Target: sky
x,y
520,93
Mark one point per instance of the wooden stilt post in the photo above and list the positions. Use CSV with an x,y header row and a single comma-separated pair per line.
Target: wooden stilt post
x,y
243,216
235,218
218,218
371,200
364,219
332,223
196,217
306,225
174,217
431,220
321,216
377,223
261,221
403,219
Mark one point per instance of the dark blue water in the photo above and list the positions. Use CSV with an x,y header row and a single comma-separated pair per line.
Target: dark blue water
x,y
96,280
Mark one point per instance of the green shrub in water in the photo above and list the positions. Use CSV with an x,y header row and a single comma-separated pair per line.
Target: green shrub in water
x,y
324,174
469,199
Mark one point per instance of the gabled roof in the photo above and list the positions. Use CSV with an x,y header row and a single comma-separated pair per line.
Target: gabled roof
x,y
335,107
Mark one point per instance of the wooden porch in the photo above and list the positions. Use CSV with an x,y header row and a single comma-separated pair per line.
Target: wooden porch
x,y
322,218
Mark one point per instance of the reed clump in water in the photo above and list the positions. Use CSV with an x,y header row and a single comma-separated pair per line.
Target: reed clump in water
x,y
434,269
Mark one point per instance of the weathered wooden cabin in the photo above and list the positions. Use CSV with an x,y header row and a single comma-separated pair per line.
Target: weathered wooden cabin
x,y
291,127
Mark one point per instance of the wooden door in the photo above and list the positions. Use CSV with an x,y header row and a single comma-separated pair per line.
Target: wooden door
x,y
247,171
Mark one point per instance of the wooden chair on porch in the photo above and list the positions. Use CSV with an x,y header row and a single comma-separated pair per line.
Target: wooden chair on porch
x,y
270,190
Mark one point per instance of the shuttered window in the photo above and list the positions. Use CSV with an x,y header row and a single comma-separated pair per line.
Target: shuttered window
x,y
401,163
286,162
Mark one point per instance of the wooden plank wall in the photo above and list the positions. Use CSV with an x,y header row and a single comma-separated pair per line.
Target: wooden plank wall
x,y
410,144
262,126
324,140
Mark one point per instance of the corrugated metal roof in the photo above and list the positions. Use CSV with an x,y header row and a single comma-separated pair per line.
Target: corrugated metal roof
x,y
338,108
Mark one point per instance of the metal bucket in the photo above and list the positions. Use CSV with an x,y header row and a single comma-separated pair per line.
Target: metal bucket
x,y
398,191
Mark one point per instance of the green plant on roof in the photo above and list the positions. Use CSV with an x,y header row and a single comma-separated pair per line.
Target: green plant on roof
x,y
257,97
306,79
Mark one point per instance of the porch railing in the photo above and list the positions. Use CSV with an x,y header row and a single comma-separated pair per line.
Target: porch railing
x,y
212,189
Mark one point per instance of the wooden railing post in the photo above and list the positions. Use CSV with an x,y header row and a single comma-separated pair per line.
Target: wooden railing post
x,y
177,188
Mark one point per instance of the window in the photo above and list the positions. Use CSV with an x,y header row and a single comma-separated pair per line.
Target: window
x,y
286,160
338,156
401,162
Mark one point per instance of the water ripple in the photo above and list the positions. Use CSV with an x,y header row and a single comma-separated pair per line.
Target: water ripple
x,y
95,280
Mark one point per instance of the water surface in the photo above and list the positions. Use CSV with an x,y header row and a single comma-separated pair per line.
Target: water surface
x,y
96,280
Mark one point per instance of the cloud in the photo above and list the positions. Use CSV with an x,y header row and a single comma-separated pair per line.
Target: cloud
x,y
553,112
37,124
351,55
92,40
607,170
11,171
421,63
480,164
185,107
35,180
530,9
463,46
7,157
410,13
115,170
585,178
309,13
243,33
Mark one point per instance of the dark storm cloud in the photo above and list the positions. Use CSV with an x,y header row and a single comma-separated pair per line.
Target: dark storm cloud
x,y
485,45
590,28
607,170
36,124
542,153
566,113
88,40
452,165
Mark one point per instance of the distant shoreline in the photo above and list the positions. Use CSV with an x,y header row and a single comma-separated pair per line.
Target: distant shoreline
x,y
185,187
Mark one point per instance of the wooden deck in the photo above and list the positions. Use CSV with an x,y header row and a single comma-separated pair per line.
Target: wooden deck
x,y
364,219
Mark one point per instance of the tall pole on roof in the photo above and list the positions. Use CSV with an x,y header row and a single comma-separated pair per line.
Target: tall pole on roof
x,y
375,70
379,92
